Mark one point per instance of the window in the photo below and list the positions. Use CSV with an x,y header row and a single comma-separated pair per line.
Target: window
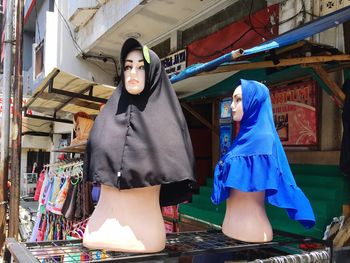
x,y
39,58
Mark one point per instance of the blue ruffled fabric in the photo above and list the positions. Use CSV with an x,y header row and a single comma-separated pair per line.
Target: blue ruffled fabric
x,y
237,173
256,160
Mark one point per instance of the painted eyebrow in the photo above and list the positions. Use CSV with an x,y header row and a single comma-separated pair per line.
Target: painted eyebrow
x,y
235,96
128,60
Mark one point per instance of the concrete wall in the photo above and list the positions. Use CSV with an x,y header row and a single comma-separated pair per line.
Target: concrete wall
x,y
67,59
59,48
98,25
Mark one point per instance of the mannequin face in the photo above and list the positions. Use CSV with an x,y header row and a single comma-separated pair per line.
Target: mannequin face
x,y
134,72
237,105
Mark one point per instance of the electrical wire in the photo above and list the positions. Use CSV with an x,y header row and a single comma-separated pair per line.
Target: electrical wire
x,y
221,51
251,20
266,28
79,49
76,45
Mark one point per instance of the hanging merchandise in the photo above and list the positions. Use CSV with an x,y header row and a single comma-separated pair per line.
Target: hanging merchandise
x,y
226,125
225,138
65,202
39,184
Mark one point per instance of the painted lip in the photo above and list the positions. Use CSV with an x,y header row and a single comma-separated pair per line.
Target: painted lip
x,y
133,82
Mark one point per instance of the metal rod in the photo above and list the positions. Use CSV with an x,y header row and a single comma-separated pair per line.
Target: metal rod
x,y
19,252
192,71
5,127
17,126
76,95
90,87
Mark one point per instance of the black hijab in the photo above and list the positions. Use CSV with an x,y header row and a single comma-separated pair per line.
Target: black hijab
x,y
143,140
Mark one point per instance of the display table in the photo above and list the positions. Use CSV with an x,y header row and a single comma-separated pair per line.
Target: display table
x,y
177,245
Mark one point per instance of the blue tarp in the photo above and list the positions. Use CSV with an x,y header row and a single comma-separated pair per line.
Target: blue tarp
x,y
307,30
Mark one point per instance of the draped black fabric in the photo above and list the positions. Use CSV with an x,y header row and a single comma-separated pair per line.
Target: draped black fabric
x,y
143,140
345,147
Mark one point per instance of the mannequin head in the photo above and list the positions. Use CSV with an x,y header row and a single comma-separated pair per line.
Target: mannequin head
x,y
78,118
134,72
237,104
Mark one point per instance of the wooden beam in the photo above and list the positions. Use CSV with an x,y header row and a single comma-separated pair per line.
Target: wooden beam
x,y
291,47
283,63
200,118
320,71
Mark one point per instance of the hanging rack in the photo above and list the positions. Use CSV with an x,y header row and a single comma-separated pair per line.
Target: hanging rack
x,y
65,164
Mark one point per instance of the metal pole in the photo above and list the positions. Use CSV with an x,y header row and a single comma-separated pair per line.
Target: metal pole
x,y
5,127
16,126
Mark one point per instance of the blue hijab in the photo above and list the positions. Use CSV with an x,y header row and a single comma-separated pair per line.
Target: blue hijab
x,y
256,160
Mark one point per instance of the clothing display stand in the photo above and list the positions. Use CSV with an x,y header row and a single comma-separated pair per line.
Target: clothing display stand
x,y
177,245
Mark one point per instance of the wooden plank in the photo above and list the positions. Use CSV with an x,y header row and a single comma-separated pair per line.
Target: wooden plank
x,y
62,99
78,148
283,63
339,94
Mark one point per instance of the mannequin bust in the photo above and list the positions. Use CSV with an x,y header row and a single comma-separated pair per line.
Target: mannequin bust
x,y
255,170
115,222
245,217
139,151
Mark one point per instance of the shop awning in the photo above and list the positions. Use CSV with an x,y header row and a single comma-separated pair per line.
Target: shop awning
x,y
292,73
190,86
318,66
288,38
62,94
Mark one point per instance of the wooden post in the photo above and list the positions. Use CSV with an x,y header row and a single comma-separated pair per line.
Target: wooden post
x,y
17,126
213,128
339,94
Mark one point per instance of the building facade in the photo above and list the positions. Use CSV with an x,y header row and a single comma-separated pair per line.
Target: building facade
x,y
84,38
